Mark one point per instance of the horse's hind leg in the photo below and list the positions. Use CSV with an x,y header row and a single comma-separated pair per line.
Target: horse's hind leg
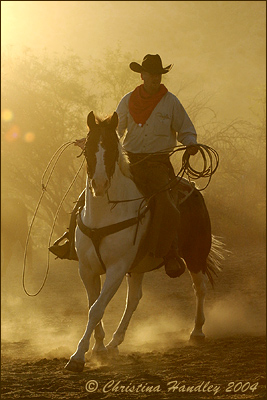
x,y
196,247
134,294
199,285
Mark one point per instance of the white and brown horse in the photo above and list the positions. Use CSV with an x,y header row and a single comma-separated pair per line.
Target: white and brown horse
x,y
107,238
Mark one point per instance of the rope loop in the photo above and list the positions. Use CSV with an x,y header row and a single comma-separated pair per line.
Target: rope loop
x,y
44,183
210,159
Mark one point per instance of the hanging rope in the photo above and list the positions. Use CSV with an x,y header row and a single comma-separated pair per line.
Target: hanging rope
x,y
53,161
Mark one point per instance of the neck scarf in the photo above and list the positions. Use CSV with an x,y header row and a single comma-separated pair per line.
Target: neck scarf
x,y
141,103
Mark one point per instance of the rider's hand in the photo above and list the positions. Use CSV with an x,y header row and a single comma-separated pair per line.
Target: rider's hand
x,y
80,143
191,149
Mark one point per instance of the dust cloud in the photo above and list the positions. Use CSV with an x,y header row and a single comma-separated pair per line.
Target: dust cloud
x,y
51,324
62,60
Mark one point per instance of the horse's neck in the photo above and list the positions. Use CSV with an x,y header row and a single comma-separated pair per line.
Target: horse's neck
x,y
99,212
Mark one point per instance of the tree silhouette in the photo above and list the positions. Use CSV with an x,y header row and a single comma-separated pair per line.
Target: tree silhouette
x,y
48,103
45,102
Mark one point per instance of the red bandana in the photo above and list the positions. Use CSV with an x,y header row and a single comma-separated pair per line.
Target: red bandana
x,y
141,104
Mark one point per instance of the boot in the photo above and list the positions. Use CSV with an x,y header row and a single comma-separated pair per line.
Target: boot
x,y
175,265
67,249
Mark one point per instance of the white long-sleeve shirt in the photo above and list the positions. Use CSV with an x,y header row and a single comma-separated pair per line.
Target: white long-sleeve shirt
x,y
167,124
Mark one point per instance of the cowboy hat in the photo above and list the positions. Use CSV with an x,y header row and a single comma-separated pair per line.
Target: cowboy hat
x,y
151,63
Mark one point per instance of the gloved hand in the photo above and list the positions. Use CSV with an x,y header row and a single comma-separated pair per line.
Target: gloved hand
x,y
191,149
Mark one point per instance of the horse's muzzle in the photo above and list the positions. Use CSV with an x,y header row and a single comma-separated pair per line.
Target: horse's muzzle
x,y
100,188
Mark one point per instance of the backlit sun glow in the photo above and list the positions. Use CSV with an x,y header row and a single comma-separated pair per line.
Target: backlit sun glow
x,y
29,137
7,115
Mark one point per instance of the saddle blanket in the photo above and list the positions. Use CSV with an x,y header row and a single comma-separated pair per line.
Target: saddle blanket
x,y
145,263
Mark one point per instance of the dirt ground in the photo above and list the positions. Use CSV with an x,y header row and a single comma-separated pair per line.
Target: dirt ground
x,y
156,360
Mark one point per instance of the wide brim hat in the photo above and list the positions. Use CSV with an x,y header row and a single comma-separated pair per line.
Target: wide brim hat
x,y
152,64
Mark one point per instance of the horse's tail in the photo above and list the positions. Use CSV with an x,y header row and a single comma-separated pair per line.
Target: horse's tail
x,y
215,258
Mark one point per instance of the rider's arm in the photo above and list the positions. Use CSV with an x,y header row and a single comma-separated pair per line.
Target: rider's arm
x,y
182,124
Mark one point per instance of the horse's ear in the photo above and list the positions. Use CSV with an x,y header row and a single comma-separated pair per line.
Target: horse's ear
x,y
91,120
114,120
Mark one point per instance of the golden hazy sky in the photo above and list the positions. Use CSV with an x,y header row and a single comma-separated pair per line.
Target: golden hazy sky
x,y
218,44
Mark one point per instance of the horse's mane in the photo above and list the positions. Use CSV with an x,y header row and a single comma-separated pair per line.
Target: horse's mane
x,y
123,161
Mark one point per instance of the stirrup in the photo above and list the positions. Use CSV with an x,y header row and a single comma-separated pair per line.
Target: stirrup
x,y
64,236
62,251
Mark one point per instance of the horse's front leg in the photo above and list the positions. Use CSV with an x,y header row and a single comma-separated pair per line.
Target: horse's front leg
x,y
92,284
134,294
114,277
200,288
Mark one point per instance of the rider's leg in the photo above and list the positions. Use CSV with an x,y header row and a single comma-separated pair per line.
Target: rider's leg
x,y
163,239
174,263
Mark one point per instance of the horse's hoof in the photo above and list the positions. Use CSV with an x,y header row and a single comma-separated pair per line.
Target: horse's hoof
x,y
74,366
101,355
197,339
113,351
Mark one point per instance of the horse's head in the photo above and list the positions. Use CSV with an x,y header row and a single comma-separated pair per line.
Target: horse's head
x,y
101,152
